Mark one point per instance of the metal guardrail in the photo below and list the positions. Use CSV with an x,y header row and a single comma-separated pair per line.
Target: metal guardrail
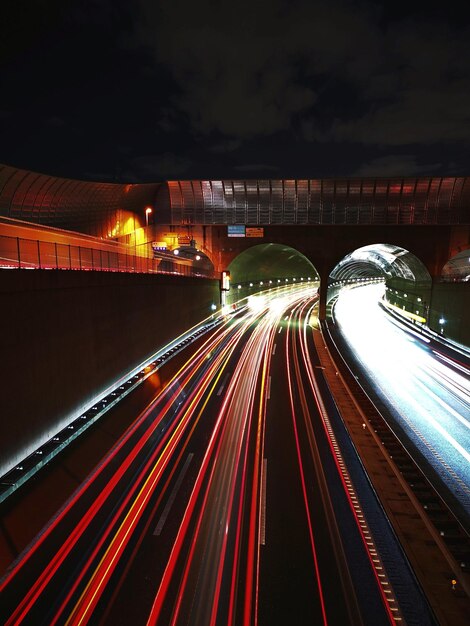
x,y
452,530
15,477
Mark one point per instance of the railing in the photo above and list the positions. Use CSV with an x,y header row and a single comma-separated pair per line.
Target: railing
x,y
19,253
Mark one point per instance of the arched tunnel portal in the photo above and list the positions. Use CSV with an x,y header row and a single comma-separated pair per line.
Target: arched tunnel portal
x,y
407,282
268,265
326,245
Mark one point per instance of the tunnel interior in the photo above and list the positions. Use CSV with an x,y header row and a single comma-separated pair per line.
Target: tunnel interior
x,y
407,282
268,265
457,269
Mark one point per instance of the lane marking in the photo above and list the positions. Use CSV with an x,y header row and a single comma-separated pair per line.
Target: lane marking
x,y
223,384
268,392
262,532
171,499
274,349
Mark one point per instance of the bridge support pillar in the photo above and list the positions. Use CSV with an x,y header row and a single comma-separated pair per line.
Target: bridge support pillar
x,y
324,274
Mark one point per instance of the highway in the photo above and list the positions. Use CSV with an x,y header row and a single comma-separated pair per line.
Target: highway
x,y
37,246
427,392
228,500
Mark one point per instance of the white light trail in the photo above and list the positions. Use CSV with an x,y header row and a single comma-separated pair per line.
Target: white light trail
x,y
430,398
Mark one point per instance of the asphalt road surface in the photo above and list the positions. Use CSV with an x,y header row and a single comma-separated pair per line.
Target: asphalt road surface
x,y
227,501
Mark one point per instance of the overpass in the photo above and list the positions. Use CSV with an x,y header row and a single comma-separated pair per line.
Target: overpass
x,y
424,220
80,331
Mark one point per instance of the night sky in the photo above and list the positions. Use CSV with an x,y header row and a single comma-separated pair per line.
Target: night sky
x,y
148,90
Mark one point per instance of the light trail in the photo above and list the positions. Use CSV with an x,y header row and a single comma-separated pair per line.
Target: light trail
x,y
350,493
303,480
102,574
223,504
430,396
209,571
183,377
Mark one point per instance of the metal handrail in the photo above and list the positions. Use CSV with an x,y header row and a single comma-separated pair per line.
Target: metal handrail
x,y
20,253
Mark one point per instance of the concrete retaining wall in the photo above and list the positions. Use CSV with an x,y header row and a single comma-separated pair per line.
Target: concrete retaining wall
x,y
451,303
66,336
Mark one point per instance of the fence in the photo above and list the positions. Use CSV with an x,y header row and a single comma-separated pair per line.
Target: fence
x,y
19,253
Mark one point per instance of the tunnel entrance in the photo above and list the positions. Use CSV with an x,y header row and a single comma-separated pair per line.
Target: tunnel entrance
x,y
407,282
266,266
457,269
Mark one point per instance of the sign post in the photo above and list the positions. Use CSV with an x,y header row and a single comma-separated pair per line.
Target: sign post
x,y
224,286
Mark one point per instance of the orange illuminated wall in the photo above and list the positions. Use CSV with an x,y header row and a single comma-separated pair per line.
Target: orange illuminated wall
x,y
105,210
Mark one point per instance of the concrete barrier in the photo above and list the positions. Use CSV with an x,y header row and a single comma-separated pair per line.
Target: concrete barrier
x,y
66,336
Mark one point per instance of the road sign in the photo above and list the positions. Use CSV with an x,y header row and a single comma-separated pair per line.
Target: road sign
x,y
236,230
254,231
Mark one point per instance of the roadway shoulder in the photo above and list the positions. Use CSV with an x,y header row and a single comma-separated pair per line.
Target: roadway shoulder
x,y
430,563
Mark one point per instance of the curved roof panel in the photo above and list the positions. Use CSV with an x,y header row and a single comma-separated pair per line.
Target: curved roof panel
x,y
91,206
457,269
381,260
434,200
87,207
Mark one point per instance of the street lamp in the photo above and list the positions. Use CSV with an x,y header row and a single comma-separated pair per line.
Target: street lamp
x,y
148,210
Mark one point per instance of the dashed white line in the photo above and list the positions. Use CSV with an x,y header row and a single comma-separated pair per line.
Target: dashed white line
x,y
262,529
223,385
171,499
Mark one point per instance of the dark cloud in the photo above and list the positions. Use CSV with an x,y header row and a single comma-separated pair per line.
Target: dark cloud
x,y
250,69
156,167
423,96
204,89
54,120
224,146
396,165
256,167
246,69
